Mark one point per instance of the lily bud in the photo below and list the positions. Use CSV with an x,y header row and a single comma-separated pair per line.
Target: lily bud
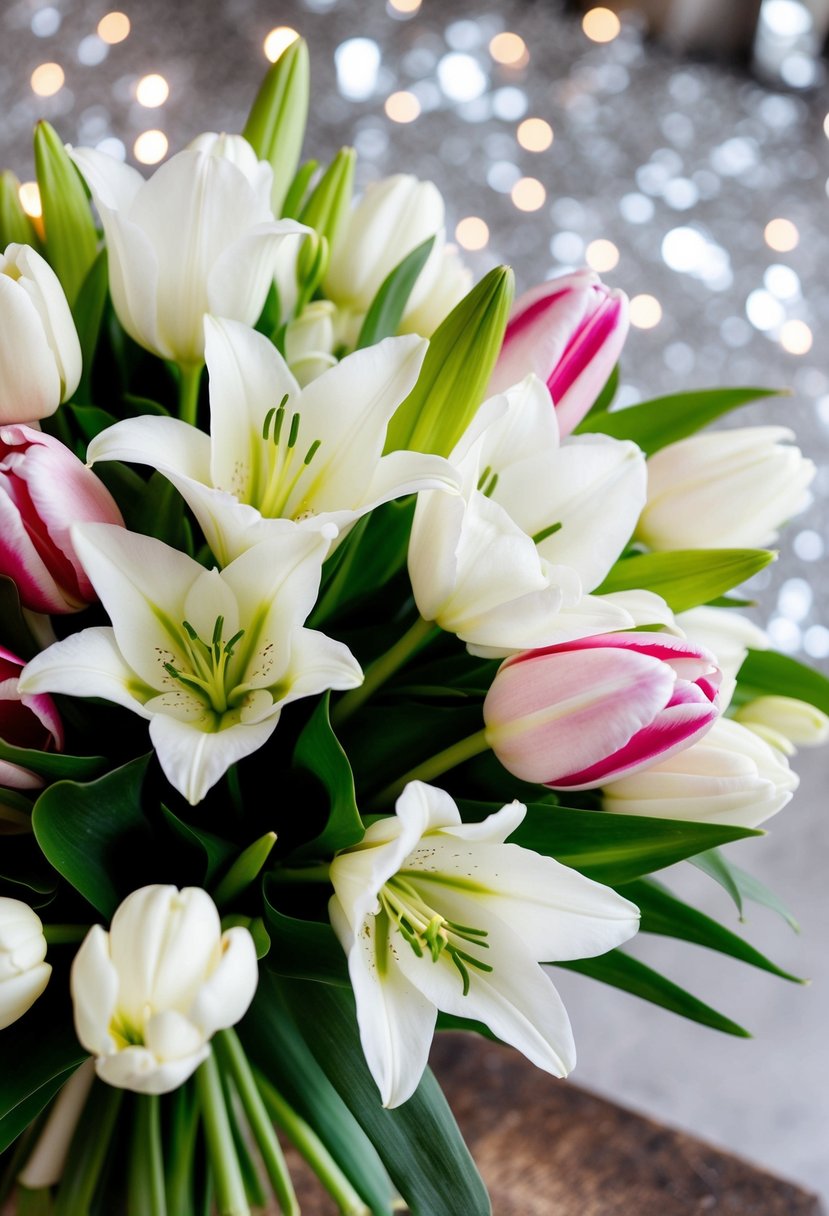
x,y
150,994
731,776
23,972
276,125
70,240
724,489
569,331
310,341
44,490
40,355
15,225
785,722
577,715
26,720
326,211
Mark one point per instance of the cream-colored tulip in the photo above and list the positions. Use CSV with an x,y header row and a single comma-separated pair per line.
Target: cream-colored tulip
x,y
785,722
23,972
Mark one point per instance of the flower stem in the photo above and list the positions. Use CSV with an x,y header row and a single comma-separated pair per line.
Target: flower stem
x,y
183,1130
305,1139
88,1151
299,874
450,757
231,1199
188,391
146,1166
61,935
234,1061
384,668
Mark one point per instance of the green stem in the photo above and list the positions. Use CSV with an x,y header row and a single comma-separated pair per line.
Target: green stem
x,y
34,1203
384,668
88,1151
184,1126
306,1140
234,1060
231,1199
299,874
60,935
146,1167
450,757
188,391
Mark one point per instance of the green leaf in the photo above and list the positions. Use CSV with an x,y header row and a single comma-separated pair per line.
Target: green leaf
x,y
53,765
71,241
295,198
621,970
15,633
370,555
767,672
686,577
609,848
456,371
88,314
318,751
419,1142
89,832
386,310
91,420
274,1042
215,851
276,123
15,226
668,916
301,949
655,424
742,886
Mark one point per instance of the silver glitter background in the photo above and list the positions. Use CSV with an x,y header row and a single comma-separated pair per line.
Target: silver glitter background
x,y
681,165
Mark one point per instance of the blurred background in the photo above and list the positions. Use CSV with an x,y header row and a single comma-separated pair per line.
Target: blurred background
x,y
681,149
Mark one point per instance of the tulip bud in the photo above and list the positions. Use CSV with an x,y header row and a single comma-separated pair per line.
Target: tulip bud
x,y
577,715
731,776
23,972
724,489
44,490
569,331
71,241
276,124
729,636
40,355
29,721
785,722
150,994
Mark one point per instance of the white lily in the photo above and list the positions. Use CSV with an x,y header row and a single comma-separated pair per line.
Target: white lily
x,y
278,451
507,564
209,658
438,914
199,236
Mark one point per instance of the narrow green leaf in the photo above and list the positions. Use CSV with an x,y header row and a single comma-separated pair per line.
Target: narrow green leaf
x,y
372,553
714,864
668,916
91,420
89,314
214,852
295,198
301,949
329,203
245,869
621,970
71,241
276,123
741,885
767,672
686,578
655,424
319,752
53,765
386,309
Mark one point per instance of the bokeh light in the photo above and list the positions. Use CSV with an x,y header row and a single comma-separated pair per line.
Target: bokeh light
x,y
150,147
47,79
29,195
114,28
402,107
796,337
535,135
152,91
645,311
509,49
601,255
601,25
781,235
528,194
472,232
278,40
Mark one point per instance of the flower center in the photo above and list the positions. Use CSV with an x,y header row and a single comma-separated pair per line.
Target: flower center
x,y
425,929
286,463
206,673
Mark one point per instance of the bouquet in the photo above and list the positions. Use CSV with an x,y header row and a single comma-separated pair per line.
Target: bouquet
x,y
358,659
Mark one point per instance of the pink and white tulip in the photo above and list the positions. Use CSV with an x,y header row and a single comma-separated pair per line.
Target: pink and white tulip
x,y
570,332
582,713
44,489
29,721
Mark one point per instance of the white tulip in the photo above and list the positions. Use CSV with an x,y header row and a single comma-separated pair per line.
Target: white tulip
x,y
724,489
150,994
40,355
23,972
729,636
278,452
785,722
506,564
208,658
731,776
437,914
199,236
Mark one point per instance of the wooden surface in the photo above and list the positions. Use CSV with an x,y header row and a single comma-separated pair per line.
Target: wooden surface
x,y
547,1148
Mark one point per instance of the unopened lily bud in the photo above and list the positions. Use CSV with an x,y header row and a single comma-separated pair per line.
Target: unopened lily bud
x,y
276,124
785,722
70,237
724,489
310,341
577,715
23,972
569,331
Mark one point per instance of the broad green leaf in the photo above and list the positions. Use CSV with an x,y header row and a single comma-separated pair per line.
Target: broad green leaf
x,y
91,420
686,578
301,949
71,241
215,852
53,765
742,886
767,672
386,310
621,970
372,553
418,1142
668,916
15,633
318,751
22,864
655,424
274,1042
91,832
609,848
276,123
89,314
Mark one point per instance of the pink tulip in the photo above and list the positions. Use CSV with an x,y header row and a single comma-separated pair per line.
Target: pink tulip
x,y
25,721
44,489
582,713
570,332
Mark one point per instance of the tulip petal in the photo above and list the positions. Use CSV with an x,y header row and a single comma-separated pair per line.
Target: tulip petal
x,y
224,997
137,1068
28,371
170,1036
94,986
